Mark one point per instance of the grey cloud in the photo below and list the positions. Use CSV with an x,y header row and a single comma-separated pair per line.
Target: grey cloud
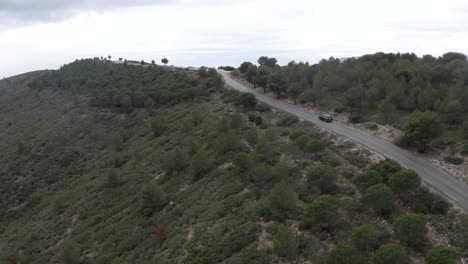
x,y
26,11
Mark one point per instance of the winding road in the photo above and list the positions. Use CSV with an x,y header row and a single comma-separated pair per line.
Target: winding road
x,y
438,178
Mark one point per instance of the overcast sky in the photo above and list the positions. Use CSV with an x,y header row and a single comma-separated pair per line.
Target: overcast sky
x,y
40,34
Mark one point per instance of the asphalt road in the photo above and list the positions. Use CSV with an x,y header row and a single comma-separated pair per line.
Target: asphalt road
x,y
438,178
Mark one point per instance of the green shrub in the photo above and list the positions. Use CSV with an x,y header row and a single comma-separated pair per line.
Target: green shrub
x,y
367,178
411,228
386,168
322,176
443,255
243,161
197,116
287,121
454,160
390,254
265,152
366,237
344,253
236,121
157,127
322,213
459,234
285,243
379,198
262,107
70,253
314,146
296,134
228,142
153,199
282,200
201,164
302,140
404,182
428,203
174,162
247,100
113,179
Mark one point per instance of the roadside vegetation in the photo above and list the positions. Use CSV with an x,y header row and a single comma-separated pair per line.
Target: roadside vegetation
x,y
426,97
109,163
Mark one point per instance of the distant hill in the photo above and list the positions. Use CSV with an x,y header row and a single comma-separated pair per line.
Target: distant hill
x,y
113,163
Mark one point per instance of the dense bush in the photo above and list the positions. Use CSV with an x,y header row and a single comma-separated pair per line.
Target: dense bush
x,y
390,254
153,199
366,237
344,253
70,253
247,100
252,136
443,255
201,164
411,228
287,121
322,213
314,146
322,176
297,133
379,198
428,203
404,182
282,200
386,168
174,161
285,243
367,178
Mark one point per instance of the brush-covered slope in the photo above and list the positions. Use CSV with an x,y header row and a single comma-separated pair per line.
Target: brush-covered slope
x,y
106,163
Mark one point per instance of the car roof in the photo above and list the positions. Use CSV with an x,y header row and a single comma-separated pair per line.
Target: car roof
x,y
326,115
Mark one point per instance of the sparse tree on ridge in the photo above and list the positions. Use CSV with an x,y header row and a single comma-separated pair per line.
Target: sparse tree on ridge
x,y
165,61
266,61
245,66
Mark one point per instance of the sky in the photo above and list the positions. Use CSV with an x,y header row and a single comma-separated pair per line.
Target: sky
x,y
45,34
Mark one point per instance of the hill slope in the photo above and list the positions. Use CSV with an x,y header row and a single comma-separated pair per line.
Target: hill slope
x,y
107,163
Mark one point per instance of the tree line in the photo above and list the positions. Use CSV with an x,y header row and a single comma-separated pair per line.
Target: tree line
x,y
388,88
127,86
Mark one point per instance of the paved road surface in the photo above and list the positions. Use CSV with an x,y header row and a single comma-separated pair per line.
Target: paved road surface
x,y
441,180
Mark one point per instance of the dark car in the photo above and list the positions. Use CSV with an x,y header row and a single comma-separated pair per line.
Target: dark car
x,y
326,117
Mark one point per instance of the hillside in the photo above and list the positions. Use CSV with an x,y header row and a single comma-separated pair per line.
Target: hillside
x,y
107,163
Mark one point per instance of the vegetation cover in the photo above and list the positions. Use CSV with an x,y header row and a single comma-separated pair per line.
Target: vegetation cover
x,y
426,97
180,169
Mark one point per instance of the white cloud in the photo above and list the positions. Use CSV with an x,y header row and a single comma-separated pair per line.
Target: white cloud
x,y
213,33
